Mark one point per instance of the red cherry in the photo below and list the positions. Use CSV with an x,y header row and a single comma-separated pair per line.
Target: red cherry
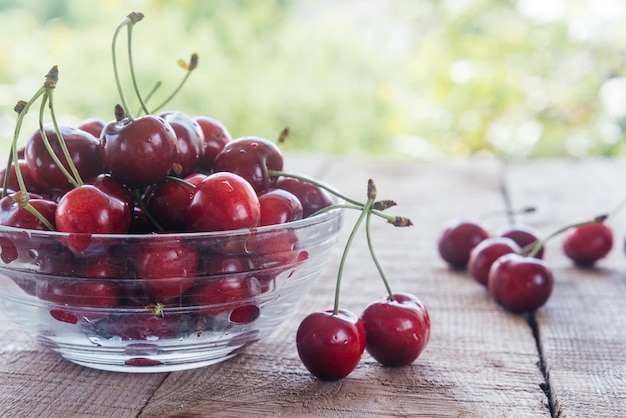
x,y
312,197
216,136
221,202
168,201
87,209
231,295
31,185
251,158
83,149
586,244
396,331
92,125
279,206
524,236
457,240
167,269
12,214
520,283
189,144
330,345
486,253
139,152
145,325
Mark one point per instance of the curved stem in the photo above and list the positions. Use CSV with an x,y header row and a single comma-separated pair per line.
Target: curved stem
x,y
344,256
66,152
46,142
374,258
193,63
118,83
150,94
142,205
132,67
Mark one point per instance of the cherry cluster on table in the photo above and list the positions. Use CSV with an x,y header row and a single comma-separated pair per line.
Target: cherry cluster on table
x,y
510,263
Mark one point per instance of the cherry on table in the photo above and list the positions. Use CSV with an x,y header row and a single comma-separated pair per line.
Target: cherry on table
x,y
396,331
524,236
458,239
486,253
586,244
520,283
330,345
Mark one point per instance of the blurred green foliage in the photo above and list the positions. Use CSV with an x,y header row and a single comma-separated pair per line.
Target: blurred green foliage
x,y
396,78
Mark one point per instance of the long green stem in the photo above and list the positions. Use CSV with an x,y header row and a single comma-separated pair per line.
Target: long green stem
x,y
132,66
150,94
22,199
66,152
370,245
46,142
127,21
193,63
344,256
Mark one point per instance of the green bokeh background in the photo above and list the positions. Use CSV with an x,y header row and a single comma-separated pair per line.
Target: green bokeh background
x,y
423,79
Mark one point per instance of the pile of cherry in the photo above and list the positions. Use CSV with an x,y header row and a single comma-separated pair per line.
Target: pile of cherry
x,y
169,172
510,264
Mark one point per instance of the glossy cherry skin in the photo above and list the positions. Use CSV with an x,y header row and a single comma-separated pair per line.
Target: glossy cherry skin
x,y
168,201
330,346
396,331
524,236
92,125
586,244
12,214
87,209
83,149
312,197
216,136
520,283
486,253
250,157
457,240
232,295
189,143
279,206
139,152
221,202
166,269
31,185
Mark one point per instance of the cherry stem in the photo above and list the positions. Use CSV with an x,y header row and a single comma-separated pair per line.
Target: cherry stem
x,y
143,207
509,212
192,65
130,26
370,245
150,94
506,196
365,210
181,181
66,152
46,142
394,220
533,248
129,20
22,199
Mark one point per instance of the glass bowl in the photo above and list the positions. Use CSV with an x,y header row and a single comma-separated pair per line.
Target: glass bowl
x,y
159,302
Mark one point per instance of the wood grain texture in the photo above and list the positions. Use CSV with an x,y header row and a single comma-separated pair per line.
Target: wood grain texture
x,y
481,361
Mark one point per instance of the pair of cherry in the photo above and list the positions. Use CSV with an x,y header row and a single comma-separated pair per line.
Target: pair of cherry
x,y
511,264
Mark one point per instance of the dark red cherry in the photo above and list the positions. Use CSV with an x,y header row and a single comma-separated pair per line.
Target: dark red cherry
x,y
457,240
139,152
112,187
31,185
279,206
13,214
396,331
227,295
486,253
221,202
520,283
330,345
523,236
166,268
586,244
216,136
189,144
83,149
87,209
145,325
167,202
92,125
312,197
251,158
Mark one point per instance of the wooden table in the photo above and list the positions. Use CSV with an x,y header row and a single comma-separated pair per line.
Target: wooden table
x,y
481,360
